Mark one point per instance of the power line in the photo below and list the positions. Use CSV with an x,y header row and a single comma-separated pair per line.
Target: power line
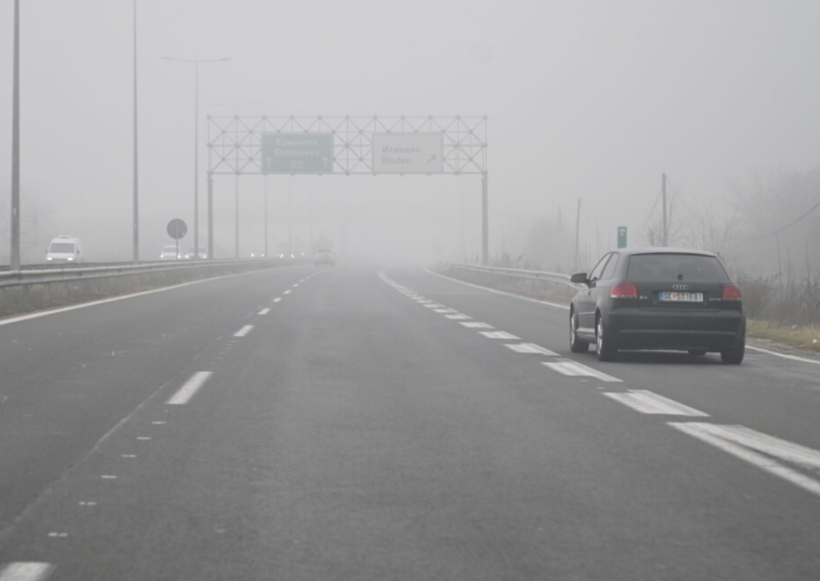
x,y
787,226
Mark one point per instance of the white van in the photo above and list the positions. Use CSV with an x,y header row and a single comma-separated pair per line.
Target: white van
x,y
65,249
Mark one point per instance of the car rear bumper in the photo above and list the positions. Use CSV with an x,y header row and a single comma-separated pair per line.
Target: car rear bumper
x,y
709,330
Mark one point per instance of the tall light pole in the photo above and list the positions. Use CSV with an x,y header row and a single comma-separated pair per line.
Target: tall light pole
x,y
14,258
236,107
136,252
196,63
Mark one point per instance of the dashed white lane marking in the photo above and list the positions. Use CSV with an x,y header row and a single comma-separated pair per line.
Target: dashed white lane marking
x,y
576,369
87,503
108,477
458,317
56,535
530,348
296,285
188,390
243,331
264,311
143,438
443,311
26,571
476,325
499,335
433,306
277,300
647,402
287,292
128,455
747,444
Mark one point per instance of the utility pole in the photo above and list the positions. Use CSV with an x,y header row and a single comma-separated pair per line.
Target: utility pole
x,y
665,224
577,233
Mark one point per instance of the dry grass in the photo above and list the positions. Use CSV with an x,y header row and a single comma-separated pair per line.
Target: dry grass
x,y
802,337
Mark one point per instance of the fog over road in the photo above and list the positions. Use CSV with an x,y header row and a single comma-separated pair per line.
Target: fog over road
x,y
383,422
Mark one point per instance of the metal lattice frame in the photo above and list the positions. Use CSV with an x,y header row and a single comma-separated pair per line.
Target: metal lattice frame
x,y
234,143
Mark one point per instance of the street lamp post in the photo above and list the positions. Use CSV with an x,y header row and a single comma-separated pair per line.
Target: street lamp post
x,y
136,225
14,258
196,63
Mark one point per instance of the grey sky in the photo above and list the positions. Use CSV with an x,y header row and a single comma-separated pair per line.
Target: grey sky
x,y
585,99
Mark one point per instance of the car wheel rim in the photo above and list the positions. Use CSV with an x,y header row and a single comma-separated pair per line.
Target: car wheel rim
x,y
600,335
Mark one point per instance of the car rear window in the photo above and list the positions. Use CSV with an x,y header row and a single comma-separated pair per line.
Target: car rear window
x,y
61,247
689,267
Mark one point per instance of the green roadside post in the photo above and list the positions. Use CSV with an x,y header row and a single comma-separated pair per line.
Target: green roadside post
x,y
621,236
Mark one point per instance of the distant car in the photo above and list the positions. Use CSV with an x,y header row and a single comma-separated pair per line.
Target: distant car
x,y
324,256
190,253
658,298
65,248
257,255
170,252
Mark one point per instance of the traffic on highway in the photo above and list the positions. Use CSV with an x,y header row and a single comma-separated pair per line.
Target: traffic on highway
x,y
440,290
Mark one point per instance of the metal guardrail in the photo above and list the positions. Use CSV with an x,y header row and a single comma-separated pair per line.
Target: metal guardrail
x,y
519,273
79,273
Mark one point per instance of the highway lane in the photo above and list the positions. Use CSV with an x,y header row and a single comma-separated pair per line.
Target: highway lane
x,y
353,427
768,393
70,376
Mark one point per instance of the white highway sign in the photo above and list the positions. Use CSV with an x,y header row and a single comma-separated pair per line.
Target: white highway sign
x,y
408,153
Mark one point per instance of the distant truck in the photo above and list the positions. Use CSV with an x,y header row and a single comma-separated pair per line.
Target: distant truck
x,y
65,248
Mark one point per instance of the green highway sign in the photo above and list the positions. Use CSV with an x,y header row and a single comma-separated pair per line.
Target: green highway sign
x,y
621,236
292,153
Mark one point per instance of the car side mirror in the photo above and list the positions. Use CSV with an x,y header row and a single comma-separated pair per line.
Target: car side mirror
x,y
579,278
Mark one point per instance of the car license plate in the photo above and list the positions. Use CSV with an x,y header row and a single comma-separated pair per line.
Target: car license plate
x,y
679,297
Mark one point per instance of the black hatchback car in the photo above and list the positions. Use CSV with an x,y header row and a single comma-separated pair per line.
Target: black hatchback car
x,y
658,298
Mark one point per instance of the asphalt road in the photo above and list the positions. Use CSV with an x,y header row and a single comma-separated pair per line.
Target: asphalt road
x,y
385,423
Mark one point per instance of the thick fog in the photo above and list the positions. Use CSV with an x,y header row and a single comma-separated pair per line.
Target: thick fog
x,y
585,100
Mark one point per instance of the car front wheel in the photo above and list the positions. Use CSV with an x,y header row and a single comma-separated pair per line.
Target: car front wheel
x,y
607,349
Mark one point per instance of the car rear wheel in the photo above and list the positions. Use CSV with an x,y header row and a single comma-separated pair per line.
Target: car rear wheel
x,y
734,356
607,350
576,345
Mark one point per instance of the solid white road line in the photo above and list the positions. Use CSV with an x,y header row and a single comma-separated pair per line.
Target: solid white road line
x,y
26,571
243,331
572,368
498,335
188,390
264,311
647,402
458,317
784,356
498,292
736,441
39,314
477,325
530,348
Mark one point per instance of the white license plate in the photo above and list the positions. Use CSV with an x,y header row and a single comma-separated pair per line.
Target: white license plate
x,y
678,297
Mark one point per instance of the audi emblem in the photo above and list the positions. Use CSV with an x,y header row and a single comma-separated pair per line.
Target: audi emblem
x,y
680,287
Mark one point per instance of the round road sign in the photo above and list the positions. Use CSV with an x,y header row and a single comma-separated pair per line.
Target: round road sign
x,y
177,229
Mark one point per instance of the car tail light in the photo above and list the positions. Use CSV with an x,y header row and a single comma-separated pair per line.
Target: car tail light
x,y
731,293
624,290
